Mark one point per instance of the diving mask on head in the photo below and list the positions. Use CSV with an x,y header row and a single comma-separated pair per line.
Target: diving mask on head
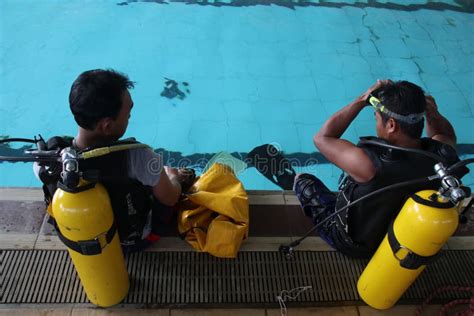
x,y
408,119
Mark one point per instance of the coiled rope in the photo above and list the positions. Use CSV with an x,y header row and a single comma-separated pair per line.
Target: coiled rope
x,y
445,308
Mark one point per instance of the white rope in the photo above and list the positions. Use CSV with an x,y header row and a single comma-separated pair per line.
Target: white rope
x,y
290,295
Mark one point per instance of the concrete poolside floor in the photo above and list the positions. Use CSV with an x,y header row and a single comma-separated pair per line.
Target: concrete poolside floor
x,y
400,310
276,218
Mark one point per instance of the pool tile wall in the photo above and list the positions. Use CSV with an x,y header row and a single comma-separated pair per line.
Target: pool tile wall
x,y
256,74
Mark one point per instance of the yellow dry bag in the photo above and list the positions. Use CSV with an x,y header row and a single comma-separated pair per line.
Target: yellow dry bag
x,y
214,216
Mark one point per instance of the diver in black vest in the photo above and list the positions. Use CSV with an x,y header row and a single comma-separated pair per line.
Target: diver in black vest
x,y
140,187
400,111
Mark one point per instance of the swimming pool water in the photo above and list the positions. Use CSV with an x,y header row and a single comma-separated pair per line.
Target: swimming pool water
x,y
238,76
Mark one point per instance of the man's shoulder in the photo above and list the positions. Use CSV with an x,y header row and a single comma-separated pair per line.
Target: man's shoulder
x,y
145,165
134,148
128,140
371,141
446,151
142,153
431,143
372,146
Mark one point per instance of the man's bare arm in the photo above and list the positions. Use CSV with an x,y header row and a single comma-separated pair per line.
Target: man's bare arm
x,y
168,189
437,126
343,153
340,152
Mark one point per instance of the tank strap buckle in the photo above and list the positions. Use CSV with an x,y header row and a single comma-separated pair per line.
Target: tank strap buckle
x,y
90,247
412,260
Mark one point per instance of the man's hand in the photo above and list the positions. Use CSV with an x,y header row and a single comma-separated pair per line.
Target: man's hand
x,y
437,126
171,172
184,176
375,86
431,106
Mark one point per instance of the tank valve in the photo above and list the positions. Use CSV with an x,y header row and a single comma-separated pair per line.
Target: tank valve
x,y
70,175
450,185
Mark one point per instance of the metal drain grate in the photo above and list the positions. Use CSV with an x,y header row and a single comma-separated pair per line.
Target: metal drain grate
x,y
171,278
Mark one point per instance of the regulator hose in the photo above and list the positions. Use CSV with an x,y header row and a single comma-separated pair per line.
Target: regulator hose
x,y
460,164
295,243
22,140
412,150
33,156
289,248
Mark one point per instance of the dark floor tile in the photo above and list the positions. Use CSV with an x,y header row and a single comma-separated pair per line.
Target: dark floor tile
x,y
21,217
298,223
265,220
268,221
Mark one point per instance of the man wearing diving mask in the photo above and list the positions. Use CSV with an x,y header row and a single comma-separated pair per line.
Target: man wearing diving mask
x,y
400,110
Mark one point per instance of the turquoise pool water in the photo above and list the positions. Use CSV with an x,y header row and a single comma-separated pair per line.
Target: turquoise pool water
x,y
243,75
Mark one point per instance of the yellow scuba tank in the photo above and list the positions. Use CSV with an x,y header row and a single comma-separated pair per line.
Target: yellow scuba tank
x,y
424,224
84,216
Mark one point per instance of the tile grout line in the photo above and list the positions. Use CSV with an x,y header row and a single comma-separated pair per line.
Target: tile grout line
x,y
257,243
36,240
270,197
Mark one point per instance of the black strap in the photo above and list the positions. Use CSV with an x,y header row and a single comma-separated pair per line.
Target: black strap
x,y
82,188
87,247
435,204
47,195
412,260
94,175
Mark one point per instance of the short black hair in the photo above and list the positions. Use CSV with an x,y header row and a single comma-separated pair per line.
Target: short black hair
x,y
403,97
97,94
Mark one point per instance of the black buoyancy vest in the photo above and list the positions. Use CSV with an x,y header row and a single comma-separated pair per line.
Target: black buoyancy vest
x,y
131,201
367,221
